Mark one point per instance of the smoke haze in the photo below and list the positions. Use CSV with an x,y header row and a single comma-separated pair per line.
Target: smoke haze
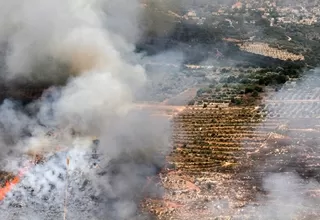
x,y
287,164
84,49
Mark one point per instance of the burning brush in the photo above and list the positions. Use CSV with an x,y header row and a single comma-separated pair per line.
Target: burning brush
x,y
13,180
40,160
92,72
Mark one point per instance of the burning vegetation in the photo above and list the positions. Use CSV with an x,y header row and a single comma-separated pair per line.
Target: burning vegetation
x,y
245,146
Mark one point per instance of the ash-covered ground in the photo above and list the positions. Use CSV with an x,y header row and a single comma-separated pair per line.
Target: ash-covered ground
x,y
54,189
84,180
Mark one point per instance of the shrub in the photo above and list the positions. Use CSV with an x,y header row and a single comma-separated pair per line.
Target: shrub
x,y
281,79
258,89
231,79
266,80
191,102
241,76
245,81
203,90
239,101
236,101
255,94
248,89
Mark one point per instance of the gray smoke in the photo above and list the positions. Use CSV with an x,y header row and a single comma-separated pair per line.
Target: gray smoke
x,y
288,198
81,45
45,35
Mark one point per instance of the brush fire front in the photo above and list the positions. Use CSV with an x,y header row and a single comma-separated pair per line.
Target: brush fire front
x,y
74,178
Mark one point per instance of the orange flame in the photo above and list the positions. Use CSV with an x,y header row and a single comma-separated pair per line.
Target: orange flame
x,y
9,184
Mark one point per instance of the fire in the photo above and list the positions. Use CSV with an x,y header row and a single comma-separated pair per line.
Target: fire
x,y
11,183
8,186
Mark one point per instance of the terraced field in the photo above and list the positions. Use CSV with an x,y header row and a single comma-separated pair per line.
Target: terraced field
x,y
209,139
221,156
265,50
208,150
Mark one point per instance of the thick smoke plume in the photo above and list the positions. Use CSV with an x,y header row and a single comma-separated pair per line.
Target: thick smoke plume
x,y
73,34
43,35
84,50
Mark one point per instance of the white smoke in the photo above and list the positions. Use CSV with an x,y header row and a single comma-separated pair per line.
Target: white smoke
x,y
68,32
77,42
73,33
